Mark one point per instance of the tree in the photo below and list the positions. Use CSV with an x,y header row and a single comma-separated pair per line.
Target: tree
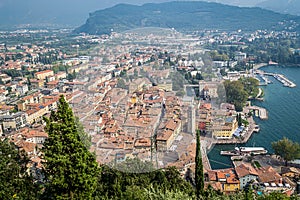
x,y
70,169
15,181
286,149
199,177
236,94
239,119
199,76
121,84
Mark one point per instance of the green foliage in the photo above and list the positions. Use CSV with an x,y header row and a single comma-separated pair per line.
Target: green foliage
x,y
276,49
70,169
116,184
199,176
121,84
237,92
158,194
216,56
15,181
250,86
286,149
177,80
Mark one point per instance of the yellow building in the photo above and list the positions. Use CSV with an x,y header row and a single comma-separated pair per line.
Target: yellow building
x,y
43,74
225,130
229,180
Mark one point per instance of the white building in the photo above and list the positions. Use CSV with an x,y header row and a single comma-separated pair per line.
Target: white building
x,y
246,174
239,56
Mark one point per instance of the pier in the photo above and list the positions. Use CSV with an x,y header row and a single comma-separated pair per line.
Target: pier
x,y
281,78
261,112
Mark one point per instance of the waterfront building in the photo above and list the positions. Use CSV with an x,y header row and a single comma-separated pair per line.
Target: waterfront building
x,y
224,130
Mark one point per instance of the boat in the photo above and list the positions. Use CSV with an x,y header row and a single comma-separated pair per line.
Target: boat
x,y
240,151
256,129
253,150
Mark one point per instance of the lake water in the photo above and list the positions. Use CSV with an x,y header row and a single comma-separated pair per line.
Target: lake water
x,y
283,105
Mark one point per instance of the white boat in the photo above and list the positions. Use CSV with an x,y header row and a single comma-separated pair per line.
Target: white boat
x,y
245,151
253,150
256,129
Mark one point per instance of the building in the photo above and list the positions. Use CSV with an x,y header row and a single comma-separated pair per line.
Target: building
x,y
22,88
226,180
290,172
35,136
208,90
60,75
164,140
36,84
165,85
13,122
268,175
42,75
246,174
5,78
240,56
136,85
191,125
166,137
225,130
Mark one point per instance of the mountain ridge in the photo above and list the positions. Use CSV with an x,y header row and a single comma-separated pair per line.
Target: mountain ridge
x,y
182,15
282,6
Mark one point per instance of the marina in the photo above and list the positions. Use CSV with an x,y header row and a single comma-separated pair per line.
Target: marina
x,y
281,78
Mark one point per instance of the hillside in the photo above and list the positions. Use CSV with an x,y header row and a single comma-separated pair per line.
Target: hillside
x,y
182,16
282,6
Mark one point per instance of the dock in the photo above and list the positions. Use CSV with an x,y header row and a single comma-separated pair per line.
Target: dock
x,y
281,78
260,112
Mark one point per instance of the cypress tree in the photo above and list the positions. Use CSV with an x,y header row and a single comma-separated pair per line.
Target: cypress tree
x,y
199,178
70,169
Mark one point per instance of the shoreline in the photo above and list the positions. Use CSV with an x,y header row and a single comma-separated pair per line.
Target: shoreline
x,y
260,65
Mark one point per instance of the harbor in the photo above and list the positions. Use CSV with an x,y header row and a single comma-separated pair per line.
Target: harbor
x,y
282,111
281,78
207,143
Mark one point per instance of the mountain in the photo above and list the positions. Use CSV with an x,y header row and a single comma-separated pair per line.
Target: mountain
x,y
282,6
193,15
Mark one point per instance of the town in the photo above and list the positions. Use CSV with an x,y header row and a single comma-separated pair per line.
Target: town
x,y
144,94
